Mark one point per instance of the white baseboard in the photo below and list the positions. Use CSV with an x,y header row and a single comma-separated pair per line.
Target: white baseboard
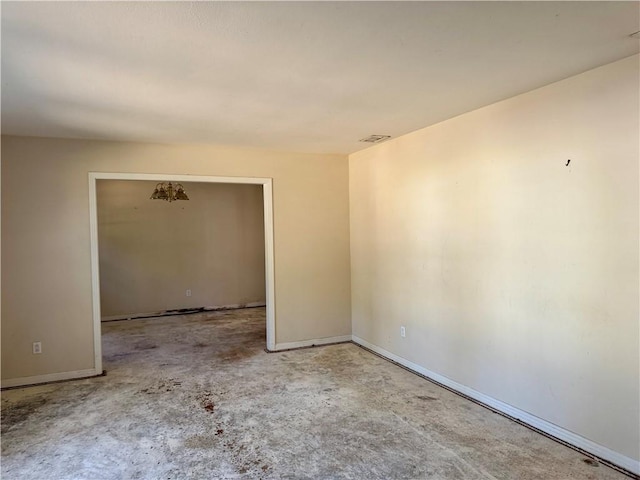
x,y
50,377
560,433
233,306
311,343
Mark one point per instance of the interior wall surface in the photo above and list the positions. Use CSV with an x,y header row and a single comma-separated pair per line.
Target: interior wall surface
x,y
46,251
156,255
506,241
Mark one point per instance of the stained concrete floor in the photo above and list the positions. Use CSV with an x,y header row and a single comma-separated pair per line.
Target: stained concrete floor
x,y
197,397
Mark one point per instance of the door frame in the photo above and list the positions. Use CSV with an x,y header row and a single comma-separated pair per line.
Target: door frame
x,y
267,193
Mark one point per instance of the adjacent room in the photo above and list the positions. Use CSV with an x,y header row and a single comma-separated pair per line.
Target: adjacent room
x,y
320,240
205,251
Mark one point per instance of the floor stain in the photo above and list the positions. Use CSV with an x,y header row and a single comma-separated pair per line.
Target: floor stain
x,y
20,412
426,398
207,402
201,442
591,462
145,346
161,386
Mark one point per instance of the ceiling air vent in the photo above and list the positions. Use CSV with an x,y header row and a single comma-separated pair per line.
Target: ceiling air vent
x,y
375,138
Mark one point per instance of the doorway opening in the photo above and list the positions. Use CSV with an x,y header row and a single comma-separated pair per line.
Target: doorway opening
x,y
267,205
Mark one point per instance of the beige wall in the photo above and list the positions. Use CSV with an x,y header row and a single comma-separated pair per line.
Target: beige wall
x,y
514,274
46,271
152,251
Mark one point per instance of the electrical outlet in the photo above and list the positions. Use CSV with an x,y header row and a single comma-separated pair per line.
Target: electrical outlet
x,y
403,332
37,348
188,293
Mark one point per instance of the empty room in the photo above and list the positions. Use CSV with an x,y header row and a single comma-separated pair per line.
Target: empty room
x,y
320,240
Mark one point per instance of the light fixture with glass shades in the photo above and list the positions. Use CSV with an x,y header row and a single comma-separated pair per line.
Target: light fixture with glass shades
x,y
169,192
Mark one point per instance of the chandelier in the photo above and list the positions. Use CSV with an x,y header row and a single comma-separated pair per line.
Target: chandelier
x,y
169,192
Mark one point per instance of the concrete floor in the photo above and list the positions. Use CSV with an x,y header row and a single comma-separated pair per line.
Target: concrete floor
x,y
197,397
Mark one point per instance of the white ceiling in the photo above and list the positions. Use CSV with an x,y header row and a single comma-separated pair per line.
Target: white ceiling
x,y
301,76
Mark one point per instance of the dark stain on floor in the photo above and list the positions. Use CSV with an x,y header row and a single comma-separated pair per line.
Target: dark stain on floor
x,y
201,442
145,346
206,400
232,355
162,386
426,398
15,414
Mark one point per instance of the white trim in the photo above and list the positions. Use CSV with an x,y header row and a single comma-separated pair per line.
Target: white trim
x,y
233,306
95,274
267,189
161,177
560,433
270,281
50,377
311,343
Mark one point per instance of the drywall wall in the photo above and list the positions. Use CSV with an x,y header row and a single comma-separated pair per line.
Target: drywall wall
x,y
506,242
153,251
46,258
